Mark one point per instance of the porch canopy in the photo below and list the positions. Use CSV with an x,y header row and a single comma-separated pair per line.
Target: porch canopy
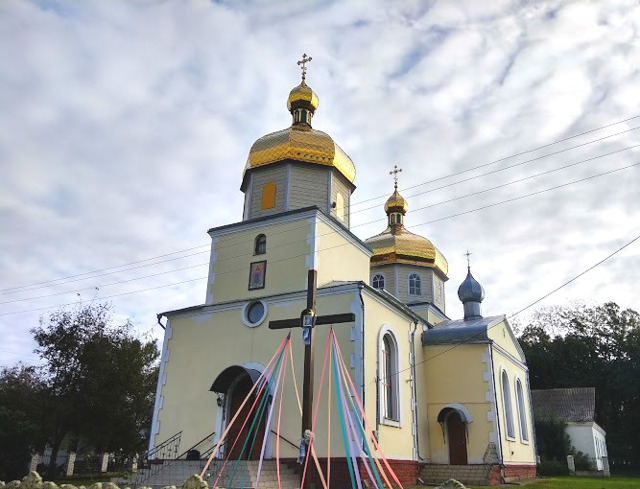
x,y
229,374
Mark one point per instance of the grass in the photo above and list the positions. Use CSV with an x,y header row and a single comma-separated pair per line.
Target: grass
x,y
580,483
85,480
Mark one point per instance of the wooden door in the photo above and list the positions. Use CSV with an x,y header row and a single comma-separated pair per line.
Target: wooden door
x,y
238,394
457,438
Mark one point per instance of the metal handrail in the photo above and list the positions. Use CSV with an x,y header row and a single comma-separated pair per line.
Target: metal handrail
x,y
288,441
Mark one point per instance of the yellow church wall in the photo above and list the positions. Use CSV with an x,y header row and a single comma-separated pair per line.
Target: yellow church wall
x,y
458,376
233,252
337,258
502,335
205,342
515,449
396,438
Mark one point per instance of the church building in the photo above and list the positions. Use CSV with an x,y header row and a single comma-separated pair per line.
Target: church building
x,y
446,398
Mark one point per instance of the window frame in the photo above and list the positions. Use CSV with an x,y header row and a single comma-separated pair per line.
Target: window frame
x,y
373,280
522,414
389,402
260,244
507,406
415,283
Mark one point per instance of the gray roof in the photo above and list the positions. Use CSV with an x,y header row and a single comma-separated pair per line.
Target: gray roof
x,y
461,330
572,405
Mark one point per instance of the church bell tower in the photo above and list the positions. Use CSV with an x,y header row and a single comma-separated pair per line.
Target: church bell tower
x,y
299,166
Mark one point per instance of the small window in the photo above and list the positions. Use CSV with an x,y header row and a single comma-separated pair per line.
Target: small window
x,y
415,286
260,246
268,196
340,207
508,408
378,281
522,415
254,313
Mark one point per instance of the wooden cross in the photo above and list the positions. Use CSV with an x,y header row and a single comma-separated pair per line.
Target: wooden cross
x,y
307,321
395,172
303,62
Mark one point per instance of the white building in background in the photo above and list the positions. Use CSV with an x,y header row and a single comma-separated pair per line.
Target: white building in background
x,y
577,407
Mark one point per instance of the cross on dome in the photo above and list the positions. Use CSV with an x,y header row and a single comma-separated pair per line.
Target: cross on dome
x,y
395,172
468,254
303,64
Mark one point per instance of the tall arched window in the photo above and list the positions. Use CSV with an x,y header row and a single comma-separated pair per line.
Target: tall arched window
x,y
268,196
378,281
522,415
415,285
506,402
260,245
389,401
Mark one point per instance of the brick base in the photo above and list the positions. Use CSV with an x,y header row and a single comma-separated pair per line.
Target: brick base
x,y
514,473
406,471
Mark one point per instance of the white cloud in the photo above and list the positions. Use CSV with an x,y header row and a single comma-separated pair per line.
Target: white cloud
x,y
126,126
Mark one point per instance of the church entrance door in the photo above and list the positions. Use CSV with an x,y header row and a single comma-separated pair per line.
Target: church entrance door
x,y
251,436
457,439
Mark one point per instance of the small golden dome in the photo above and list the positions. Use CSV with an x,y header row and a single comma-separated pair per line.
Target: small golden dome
x,y
396,203
303,96
401,246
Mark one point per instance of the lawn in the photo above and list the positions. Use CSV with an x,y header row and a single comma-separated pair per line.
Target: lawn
x,y
581,483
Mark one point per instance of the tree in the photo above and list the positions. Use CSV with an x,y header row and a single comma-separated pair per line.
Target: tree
x,y
20,410
599,347
96,382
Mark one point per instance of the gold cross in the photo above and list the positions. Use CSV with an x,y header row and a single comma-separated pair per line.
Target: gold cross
x,y
467,254
395,172
303,63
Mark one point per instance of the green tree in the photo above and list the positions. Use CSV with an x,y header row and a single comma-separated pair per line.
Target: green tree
x,y
96,382
599,347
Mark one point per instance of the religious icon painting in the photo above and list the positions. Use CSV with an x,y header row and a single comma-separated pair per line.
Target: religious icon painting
x,y
257,273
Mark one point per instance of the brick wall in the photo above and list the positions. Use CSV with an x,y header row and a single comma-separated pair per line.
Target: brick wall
x,y
406,471
512,473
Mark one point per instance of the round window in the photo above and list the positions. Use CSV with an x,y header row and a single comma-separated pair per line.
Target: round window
x,y
255,313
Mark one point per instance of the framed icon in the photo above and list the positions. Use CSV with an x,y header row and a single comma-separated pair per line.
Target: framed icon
x,y
257,274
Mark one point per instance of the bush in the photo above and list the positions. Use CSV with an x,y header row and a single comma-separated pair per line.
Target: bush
x,y
552,467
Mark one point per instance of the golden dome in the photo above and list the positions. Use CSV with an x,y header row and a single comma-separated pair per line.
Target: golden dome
x,y
396,203
397,245
301,142
303,96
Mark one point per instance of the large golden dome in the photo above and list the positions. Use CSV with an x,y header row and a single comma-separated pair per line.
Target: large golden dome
x,y
301,142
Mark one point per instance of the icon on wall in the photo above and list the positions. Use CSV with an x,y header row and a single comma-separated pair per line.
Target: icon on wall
x,y
257,273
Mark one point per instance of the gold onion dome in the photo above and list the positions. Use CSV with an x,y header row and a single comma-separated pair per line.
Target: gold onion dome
x,y
396,203
301,142
397,245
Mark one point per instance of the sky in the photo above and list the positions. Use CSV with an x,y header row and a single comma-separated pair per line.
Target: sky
x,y
125,128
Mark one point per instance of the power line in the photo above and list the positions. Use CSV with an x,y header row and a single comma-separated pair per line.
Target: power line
x,y
330,232
342,244
29,286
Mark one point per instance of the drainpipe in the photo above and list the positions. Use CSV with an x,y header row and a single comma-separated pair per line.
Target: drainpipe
x,y
414,407
495,401
159,318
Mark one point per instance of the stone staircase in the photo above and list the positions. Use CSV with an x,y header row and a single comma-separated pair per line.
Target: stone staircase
x,y
175,472
477,475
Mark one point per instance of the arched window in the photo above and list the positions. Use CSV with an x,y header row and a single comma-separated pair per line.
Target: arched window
x,y
260,245
378,281
389,407
522,416
506,402
268,196
340,207
415,286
